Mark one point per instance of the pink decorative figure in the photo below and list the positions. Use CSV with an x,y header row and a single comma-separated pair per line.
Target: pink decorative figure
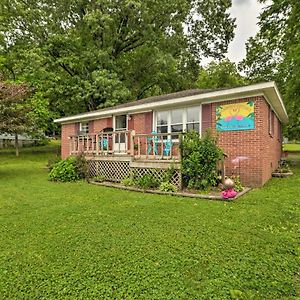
x,y
228,194
239,118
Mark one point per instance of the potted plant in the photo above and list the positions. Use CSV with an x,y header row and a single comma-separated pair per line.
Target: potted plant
x,y
283,170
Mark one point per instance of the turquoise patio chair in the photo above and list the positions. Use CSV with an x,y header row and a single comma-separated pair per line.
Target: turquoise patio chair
x,y
152,144
168,147
103,143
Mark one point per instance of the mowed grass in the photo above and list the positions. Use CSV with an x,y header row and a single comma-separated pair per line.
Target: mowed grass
x,y
79,241
291,147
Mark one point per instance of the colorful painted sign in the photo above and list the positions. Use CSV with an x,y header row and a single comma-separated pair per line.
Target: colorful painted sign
x,y
238,116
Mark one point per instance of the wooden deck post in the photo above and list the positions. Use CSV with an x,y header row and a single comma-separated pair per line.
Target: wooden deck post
x,y
132,142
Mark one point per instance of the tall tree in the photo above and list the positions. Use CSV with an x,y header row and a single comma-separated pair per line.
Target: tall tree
x,y
220,75
14,113
83,55
274,54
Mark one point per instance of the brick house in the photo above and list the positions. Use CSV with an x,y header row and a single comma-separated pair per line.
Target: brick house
x,y
143,135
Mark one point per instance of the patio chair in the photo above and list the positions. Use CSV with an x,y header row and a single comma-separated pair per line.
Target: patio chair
x,y
168,147
104,144
103,141
152,144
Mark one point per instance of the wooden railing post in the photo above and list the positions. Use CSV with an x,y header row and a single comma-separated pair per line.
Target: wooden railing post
x,y
97,144
132,134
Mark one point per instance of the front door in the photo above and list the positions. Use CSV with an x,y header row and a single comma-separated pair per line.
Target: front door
x,y
120,142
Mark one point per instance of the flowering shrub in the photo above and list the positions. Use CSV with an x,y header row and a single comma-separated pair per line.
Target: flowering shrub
x,y
199,160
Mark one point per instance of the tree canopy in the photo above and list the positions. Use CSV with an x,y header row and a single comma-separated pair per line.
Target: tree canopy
x,y
84,55
220,75
15,117
274,54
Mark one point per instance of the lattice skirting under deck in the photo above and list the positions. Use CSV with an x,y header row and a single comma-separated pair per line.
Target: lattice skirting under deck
x,y
116,171
160,174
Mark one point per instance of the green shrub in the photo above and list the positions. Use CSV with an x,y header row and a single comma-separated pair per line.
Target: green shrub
x,y
169,173
199,160
237,183
146,182
52,162
70,169
128,181
99,178
168,187
81,166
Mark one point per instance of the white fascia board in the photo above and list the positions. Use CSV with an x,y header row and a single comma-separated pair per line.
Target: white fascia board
x,y
222,95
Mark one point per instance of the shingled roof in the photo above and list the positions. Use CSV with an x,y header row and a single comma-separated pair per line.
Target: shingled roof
x,y
154,99
186,97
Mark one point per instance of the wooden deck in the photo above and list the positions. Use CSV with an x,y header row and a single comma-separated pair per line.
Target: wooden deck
x,y
159,149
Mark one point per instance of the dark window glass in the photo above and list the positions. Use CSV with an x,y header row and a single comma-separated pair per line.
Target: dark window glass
x,y
120,137
192,126
162,129
176,128
121,122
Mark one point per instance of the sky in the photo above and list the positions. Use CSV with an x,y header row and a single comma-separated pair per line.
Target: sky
x,y
246,13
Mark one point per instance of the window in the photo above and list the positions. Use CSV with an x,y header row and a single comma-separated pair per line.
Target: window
x,y
120,125
162,122
121,122
178,120
192,119
84,127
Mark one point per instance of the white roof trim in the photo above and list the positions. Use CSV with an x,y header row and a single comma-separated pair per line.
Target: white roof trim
x,y
268,88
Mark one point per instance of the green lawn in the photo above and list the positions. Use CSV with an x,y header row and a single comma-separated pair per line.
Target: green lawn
x,y
79,241
291,147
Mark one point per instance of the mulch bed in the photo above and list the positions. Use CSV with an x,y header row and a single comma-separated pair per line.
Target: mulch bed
x,y
212,196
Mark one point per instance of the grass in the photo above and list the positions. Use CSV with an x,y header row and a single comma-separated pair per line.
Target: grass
x,y
291,147
79,241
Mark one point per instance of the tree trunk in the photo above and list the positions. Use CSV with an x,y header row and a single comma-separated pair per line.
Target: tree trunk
x,y
17,144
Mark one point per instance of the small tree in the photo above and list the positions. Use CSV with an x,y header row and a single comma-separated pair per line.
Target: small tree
x,y
14,111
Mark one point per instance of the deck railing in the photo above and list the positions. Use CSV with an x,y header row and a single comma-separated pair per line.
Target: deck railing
x,y
156,146
104,143
127,142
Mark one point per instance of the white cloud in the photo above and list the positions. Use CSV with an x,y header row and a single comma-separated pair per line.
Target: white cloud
x,y
242,2
246,13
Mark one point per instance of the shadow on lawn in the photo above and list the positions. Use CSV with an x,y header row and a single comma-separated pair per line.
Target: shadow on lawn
x,y
12,173
54,149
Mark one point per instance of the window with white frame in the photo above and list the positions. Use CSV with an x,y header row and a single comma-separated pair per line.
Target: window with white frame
x,y
193,119
178,120
162,121
84,127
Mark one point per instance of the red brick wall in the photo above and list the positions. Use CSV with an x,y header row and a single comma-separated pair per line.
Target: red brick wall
x,y
261,150
99,125
272,147
142,123
66,131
